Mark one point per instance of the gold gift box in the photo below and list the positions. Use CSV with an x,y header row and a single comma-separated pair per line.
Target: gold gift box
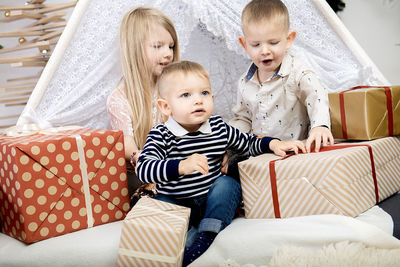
x,y
153,234
366,113
338,181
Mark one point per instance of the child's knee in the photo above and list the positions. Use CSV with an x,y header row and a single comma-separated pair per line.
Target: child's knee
x,y
227,183
226,187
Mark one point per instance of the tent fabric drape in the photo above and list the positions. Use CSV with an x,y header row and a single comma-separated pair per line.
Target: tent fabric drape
x,y
89,68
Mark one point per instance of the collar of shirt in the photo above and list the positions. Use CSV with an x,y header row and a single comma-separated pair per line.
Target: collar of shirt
x,y
177,130
283,70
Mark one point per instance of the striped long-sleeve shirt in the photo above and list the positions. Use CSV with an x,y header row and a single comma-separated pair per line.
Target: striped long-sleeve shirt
x,y
167,144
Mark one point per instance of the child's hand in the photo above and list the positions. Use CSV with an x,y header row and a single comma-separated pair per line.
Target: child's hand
x,y
224,164
281,147
195,162
134,157
317,135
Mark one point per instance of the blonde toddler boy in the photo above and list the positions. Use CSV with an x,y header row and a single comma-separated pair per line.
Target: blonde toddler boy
x,y
183,155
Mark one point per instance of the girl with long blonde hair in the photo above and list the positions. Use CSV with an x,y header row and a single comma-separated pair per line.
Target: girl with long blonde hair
x,y
148,43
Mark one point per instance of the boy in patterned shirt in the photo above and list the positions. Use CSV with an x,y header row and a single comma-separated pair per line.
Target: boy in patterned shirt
x,y
278,95
183,155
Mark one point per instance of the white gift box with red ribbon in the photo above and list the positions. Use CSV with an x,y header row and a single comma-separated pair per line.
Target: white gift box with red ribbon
x,y
344,179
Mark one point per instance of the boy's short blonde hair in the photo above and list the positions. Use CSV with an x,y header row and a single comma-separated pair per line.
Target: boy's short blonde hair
x,y
184,67
270,10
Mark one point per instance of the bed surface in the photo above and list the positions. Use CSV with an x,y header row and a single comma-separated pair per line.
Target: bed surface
x,y
256,240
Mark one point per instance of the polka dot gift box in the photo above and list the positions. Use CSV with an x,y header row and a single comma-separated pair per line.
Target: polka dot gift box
x,y
58,182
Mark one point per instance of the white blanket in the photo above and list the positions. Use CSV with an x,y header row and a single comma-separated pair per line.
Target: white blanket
x,y
245,241
255,241
97,246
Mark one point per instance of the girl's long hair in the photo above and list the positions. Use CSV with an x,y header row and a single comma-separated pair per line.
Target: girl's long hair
x,y
135,27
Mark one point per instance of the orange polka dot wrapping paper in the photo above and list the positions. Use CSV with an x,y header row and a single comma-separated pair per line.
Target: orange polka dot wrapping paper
x,y
53,184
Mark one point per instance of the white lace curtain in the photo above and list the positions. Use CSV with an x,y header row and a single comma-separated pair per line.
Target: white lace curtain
x,y
75,84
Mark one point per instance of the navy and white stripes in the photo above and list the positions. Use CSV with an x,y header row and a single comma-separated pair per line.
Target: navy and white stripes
x,y
158,163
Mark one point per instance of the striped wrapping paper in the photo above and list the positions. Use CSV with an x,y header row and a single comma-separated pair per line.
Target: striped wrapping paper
x,y
335,182
153,234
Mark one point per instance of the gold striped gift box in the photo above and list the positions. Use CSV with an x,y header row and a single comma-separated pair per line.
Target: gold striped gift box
x,y
343,180
153,234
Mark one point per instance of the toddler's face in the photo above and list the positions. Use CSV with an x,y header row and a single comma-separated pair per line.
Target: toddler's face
x,y
159,50
266,43
189,99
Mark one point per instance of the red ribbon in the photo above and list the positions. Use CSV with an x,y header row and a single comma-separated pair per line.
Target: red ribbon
x,y
274,187
388,106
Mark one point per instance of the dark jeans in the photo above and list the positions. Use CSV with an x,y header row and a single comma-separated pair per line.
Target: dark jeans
x,y
212,212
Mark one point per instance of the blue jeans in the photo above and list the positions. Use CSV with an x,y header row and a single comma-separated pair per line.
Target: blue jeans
x,y
212,212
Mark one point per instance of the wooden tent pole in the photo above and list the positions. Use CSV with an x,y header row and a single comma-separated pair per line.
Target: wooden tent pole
x,y
54,60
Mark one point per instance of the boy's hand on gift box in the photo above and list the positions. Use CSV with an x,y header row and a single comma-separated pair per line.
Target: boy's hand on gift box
x,y
318,135
281,147
195,162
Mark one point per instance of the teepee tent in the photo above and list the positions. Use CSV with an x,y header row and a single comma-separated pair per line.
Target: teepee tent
x,y
84,67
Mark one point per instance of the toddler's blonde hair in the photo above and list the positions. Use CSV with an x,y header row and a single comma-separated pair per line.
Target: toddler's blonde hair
x,y
136,25
184,67
258,11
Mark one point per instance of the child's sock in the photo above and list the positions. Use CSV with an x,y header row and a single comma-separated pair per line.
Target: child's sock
x,y
199,246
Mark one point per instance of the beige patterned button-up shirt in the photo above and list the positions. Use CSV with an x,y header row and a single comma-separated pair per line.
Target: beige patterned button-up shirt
x,y
286,106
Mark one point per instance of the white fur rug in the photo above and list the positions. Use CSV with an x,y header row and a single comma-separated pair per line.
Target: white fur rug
x,y
340,254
